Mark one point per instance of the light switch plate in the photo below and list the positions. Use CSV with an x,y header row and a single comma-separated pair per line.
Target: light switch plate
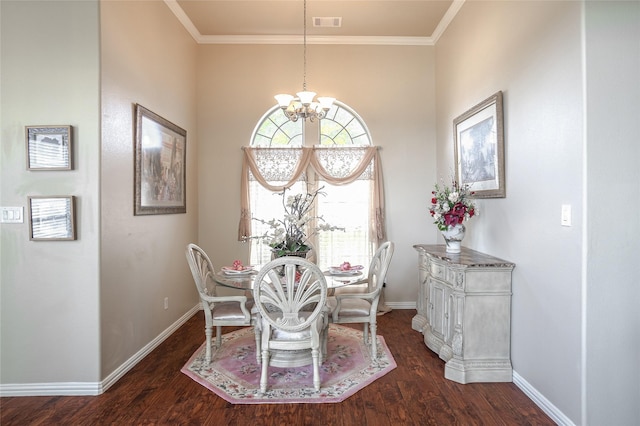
x,y
565,218
11,215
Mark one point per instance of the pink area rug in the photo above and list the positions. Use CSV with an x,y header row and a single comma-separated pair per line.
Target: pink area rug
x,y
234,373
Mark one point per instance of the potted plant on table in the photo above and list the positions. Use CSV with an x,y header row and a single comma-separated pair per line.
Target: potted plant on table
x,y
450,207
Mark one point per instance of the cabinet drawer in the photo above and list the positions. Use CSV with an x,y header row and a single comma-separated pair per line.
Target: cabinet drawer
x,y
438,271
455,278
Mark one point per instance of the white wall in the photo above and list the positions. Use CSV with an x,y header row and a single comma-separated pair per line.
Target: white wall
x,y
612,339
391,88
147,58
49,308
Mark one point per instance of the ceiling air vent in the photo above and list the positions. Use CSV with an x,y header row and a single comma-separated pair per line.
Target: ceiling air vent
x,y
327,22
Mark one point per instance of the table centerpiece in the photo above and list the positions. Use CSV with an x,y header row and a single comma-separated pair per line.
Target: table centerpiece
x,y
287,236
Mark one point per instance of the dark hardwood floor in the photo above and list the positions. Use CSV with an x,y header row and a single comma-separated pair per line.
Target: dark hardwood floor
x,y
155,392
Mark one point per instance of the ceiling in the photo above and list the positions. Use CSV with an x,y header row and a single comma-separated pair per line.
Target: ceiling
x,y
402,22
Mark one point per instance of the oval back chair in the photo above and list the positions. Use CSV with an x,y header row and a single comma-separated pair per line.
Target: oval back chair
x,y
290,294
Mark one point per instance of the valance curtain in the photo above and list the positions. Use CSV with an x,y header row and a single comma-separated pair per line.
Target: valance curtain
x,y
337,166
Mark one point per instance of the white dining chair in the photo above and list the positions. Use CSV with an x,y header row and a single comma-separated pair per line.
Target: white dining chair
x,y
290,295
219,311
363,307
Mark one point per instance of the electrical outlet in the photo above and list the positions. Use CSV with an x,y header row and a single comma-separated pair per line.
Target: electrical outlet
x,y
166,303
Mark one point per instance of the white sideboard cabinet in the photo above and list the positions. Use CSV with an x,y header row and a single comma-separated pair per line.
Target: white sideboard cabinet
x,y
464,312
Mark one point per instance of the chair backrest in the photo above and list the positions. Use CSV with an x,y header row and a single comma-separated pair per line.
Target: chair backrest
x,y
379,266
202,270
290,292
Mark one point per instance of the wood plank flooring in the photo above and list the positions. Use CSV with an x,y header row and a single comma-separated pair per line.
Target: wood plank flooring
x,y
155,392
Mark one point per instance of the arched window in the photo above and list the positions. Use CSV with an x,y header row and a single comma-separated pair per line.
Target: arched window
x,y
334,154
343,127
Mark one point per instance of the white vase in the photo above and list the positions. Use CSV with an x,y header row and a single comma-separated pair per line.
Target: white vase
x,y
453,236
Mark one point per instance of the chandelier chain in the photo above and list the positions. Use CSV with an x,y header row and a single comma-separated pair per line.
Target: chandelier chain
x,y
304,50
304,106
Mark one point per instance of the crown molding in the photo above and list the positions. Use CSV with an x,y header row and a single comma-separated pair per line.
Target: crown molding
x,y
298,39
446,20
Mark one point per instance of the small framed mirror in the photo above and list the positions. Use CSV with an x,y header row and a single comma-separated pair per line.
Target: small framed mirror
x,y
49,147
52,218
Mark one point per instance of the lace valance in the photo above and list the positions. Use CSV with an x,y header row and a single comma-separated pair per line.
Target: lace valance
x,y
337,166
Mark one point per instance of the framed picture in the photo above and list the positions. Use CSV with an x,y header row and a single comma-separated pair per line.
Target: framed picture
x,y
48,147
160,165
52,218
479,148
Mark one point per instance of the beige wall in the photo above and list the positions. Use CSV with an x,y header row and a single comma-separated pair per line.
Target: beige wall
x,y
560,131
147,58
612,332
391,88
92,304
494,46
49,311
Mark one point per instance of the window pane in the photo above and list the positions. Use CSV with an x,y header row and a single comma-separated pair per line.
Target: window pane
x,y
346,206
275,129
266,205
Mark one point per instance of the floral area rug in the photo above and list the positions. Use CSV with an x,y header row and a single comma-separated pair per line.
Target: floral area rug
x,y
234,374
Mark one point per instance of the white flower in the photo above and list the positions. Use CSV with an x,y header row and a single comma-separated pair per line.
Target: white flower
x,y
290,232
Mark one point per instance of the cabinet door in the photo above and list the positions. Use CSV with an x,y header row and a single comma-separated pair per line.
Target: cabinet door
x,y
439,309
423,289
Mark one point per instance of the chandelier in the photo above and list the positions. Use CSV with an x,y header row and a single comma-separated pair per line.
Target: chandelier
x,y
303,106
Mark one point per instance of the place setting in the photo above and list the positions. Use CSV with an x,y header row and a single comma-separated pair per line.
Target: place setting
x,y
238,270
345,272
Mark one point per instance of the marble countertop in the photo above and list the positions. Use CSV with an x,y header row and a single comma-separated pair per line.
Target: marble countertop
x,y
467,257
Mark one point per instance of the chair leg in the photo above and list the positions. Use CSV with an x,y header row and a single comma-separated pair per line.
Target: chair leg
x,y
374,343
218,336
315,355
366,333
258,351
263,375
208,333
324,340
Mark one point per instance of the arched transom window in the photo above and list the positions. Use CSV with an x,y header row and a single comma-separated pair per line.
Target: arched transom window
x,y
335,154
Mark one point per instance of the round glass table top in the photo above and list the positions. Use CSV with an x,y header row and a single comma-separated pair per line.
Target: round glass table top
x,y
245,281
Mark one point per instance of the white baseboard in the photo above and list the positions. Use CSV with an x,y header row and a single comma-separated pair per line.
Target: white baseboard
x,y
542,402
94,388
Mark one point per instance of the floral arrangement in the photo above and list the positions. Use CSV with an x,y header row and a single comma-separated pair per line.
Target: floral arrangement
x,y
450,206
289,235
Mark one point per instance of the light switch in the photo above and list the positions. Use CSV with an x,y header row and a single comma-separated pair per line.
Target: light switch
x,y
11,215
565,218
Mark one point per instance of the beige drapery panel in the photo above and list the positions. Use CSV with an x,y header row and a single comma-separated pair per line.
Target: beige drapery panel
x,y
309,157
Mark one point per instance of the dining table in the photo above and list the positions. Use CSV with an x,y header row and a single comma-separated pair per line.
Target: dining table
x,y
244,281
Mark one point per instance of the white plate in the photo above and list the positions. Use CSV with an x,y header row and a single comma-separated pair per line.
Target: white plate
x,y
339,272
228,270
352,268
